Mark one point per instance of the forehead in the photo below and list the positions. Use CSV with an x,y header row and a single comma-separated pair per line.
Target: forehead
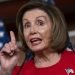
x,y
35,13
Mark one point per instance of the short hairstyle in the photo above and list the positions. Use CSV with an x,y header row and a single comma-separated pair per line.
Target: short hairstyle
x,y
59,31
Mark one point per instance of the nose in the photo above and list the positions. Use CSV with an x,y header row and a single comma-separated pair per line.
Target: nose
x,y
33,29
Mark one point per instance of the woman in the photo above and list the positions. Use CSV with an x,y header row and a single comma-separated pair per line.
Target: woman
x,y
42,30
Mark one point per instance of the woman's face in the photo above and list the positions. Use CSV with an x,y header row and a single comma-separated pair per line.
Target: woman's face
x,y
37,29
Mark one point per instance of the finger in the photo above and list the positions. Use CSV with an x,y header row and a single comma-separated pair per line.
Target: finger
x,y
6,49
12,36
13,47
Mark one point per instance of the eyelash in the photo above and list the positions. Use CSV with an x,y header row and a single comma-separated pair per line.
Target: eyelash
x,y
40,22
27,25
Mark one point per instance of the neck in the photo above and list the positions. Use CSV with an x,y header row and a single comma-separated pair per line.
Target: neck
x,y
46,58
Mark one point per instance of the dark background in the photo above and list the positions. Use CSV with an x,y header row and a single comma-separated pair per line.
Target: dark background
x,y
9,8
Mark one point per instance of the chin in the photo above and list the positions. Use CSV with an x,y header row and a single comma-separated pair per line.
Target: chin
x,y
35,49
39,47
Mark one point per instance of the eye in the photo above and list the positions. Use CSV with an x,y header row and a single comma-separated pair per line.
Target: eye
x,y
40,22
27,25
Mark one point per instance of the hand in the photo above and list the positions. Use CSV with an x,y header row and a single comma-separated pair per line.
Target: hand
x,y
9,54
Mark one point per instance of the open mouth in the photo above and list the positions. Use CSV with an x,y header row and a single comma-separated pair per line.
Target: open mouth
x,y
35,41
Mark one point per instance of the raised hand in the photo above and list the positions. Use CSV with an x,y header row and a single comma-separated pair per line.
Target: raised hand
x,y
9,54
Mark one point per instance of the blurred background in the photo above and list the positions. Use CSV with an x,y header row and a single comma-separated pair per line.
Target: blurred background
x,y
9,8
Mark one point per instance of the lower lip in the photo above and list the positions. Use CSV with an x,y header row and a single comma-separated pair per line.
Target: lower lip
x,y
36,43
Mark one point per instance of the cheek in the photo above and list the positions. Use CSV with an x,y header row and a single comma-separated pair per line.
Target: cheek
x,y
47,36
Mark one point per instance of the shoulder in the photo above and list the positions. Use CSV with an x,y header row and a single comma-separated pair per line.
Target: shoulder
x,y
69,55
68,60
29,64
24,69
71,52
28,68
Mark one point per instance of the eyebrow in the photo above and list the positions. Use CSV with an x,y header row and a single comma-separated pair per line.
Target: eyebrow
x,y
41,16
36,17
25,19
